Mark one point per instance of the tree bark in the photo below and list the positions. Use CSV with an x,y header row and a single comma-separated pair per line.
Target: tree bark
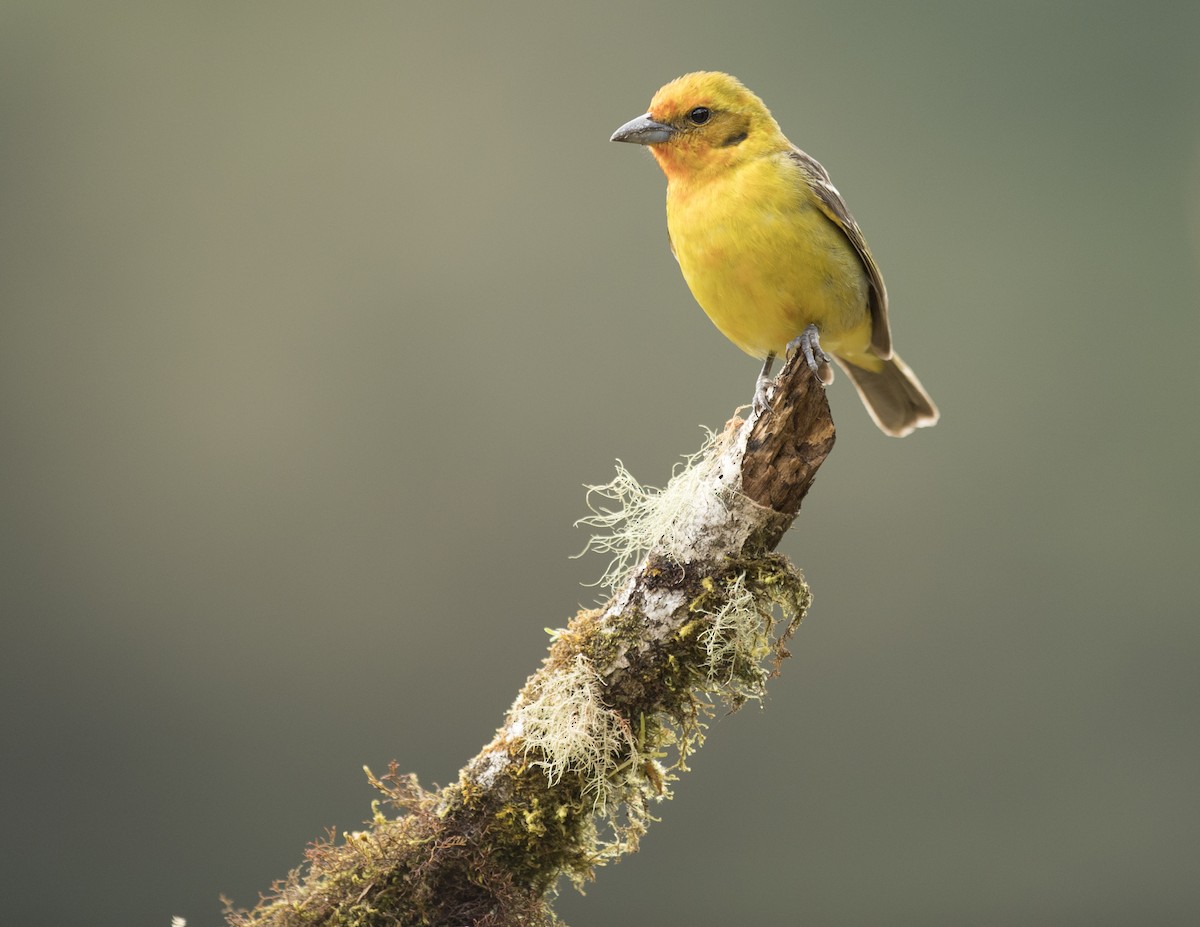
x,y
604,727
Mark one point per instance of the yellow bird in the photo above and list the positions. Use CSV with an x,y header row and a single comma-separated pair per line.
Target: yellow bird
x,y
767,245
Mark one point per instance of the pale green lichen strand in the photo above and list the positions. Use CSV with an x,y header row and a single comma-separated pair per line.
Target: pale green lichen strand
x,y
565,727
645,518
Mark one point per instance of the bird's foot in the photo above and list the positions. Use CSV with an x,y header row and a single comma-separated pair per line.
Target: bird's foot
x,y
762,395
809,343
762,388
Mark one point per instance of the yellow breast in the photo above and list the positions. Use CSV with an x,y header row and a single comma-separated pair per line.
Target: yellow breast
x,y
764,261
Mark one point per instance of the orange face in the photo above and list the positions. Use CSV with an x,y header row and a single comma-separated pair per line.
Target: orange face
x,y
713,122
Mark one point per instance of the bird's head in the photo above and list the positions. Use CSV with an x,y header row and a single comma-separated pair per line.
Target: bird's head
x,y
703,121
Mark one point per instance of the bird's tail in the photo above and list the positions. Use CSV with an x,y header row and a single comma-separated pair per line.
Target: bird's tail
x,y
892,394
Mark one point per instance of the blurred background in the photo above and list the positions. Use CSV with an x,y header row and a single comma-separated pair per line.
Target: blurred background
x,y
314,319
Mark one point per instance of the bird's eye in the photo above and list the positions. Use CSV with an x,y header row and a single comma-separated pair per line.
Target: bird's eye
x,y
699,115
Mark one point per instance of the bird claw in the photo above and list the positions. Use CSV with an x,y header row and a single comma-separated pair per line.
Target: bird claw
x,y
762,395
808,342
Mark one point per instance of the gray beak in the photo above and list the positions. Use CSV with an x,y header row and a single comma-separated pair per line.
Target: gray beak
x,y
643,131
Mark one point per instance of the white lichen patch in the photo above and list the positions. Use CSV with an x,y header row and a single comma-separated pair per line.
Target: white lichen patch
x,y
495,764
662,604
672,521
567,729
736,641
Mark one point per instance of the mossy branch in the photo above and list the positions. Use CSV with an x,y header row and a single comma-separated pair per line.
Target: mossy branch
x,y
701,611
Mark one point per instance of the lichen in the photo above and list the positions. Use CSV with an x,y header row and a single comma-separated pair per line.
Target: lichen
x,y
595,738
565,727
645,518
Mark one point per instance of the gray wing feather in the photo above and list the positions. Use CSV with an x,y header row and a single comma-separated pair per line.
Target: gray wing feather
x,y
834,207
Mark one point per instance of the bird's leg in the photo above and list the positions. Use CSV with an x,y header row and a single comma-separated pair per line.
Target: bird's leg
x,y
809,342
761,399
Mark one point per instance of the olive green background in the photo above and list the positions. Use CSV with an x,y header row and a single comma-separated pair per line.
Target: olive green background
x,y
315,317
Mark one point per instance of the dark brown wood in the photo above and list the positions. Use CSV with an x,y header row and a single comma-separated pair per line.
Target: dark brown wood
x,y
788,444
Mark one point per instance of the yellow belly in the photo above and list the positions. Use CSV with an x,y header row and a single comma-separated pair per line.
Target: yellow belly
x,y
764,261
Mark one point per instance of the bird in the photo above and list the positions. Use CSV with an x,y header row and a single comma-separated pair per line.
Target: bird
x,y
768,247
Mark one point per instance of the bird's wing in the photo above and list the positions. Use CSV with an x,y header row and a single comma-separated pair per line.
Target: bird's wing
x,y
834,207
